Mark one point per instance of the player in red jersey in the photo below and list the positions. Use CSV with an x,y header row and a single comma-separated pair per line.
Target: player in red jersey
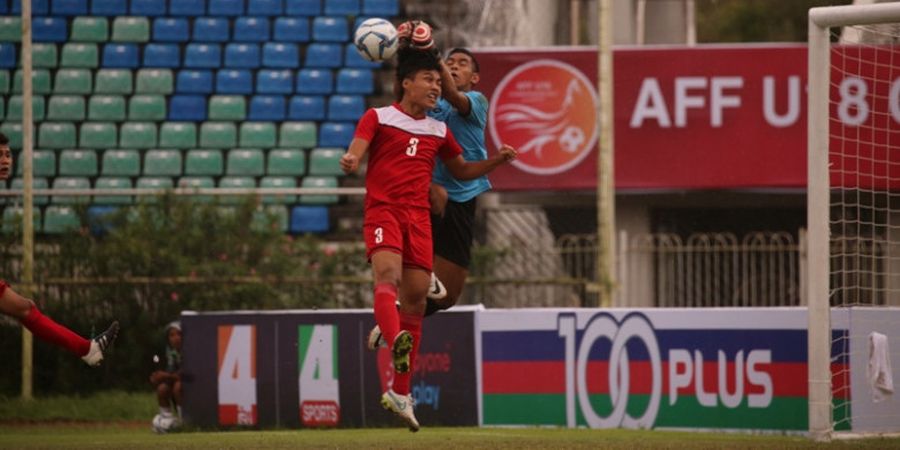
x,y
402,143
26,312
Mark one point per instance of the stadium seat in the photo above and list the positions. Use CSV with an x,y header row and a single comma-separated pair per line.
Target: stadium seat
x,y
226,7
282,183
232,81
162,55
73,81
203,162
106,108
187,8
242,56
98,135
355,81
303,7
38,7
187,108
59,219
78,163
131,29
56,135
258,135
113,81
218,135
137,135
297,135
170,29
7,55
251,29
69,7
315,81
43,163
44,56
154,81
346,107
89,29
203,56
246,161
309,219
194,82
12,219
325,161
269,81
178,135
109,7
66,108
324,55
286,162
36,183
336,134
14,108
281,55
49,29
149,8
4,82
267,108
147,107
355,60
236,183
319,182
341,7
76,54
197,182
330,29
126,163
99,218
40,82
307,107
159,183
270,217
162,162
71,183
265,8
380,8
113,183
121,56
13,130
292,29
210,29
10,29
227,107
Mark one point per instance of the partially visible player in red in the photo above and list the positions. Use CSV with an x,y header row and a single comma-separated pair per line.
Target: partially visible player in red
x,y
402,143
26,312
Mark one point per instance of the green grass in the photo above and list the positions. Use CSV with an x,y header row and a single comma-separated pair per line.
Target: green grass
x,y
109,406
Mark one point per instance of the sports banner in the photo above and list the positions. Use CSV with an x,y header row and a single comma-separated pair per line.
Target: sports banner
x,y
237,375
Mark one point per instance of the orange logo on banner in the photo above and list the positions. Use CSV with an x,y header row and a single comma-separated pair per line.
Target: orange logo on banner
x,y
547,110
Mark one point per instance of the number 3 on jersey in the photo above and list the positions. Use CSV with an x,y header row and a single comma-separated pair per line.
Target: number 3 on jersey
x,y
379,235
412,147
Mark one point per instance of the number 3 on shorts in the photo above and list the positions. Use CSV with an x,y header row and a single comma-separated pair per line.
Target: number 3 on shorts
x,y
412,148
379,235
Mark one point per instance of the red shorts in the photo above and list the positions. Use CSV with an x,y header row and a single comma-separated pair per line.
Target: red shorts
x,y
3,287
402,230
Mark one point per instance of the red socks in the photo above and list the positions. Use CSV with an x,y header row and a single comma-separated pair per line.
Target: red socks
x,y
413,324
46,329
386,311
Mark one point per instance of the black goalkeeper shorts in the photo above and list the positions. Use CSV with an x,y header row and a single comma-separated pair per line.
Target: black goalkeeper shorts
x,y
452,234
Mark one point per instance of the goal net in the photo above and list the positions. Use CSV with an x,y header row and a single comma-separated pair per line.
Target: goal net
x,y
854,219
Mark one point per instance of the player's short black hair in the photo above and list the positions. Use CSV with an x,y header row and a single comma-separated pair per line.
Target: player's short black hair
x,y
409,62
465,51
3,139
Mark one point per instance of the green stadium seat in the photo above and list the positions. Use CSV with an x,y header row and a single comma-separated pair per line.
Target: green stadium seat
x,y
147,107
76,54
124,163
78,163
181,135
40,82
113,183
270,216
203,162
248,162
66,107
106,108
56,135
138,135
10,29
59,219
14,108
153,183
297,135
43,163
44,56
162,162
89,29
113,81
4,82
98,135
236,183
197,183
2,108
227,107
326,161
13,130
73,81
12,219
218,135
131,29
36,183
282,183
154,81
72,183
258,134
319,182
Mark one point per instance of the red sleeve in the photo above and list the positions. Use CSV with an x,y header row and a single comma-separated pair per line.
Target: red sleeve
x,y
367,126
450,149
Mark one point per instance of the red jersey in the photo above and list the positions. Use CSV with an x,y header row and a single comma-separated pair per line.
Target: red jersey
x,y
401,155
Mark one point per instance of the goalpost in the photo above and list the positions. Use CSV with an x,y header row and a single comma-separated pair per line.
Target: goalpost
x,y
853,217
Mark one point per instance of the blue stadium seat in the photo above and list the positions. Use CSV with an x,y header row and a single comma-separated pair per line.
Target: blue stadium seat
x,y
314,81
231,81
170,29
324,55
49,29
69,7
7,55
98,218
336,134
210,29
355,81
203,56
267,108
307,107
194,82
309,219
242,56
109,7
149,8
281,55
4,9
341,7
354,59
251,29
270,81
187,7
187,108
162,55
330,29
303,7
346,107
381,8
226,7
292,29
38,7
121,56
265,7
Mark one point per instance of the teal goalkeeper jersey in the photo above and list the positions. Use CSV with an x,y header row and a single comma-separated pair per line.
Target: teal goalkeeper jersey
x,y
469,132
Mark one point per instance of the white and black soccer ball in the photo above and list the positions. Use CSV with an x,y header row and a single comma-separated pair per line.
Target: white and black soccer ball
x,y
375,39
164,424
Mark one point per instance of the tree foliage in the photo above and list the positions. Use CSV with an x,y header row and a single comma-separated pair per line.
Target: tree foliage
x,y
755,20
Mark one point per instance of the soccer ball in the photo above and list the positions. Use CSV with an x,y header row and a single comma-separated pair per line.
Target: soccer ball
x,y
375,39
163,424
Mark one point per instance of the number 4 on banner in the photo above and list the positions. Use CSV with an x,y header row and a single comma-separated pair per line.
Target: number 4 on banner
x,y
237,375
